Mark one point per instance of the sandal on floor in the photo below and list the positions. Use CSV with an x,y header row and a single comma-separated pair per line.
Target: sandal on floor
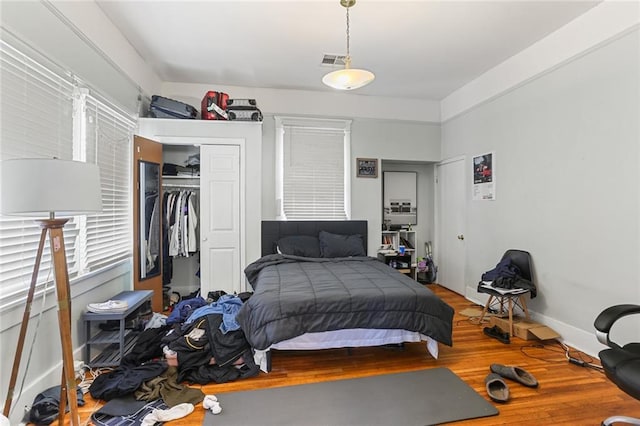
x,y
515,373
497,388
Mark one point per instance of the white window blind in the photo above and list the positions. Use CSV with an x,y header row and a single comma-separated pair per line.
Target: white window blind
x,y
37,121
44,114
313,174
312,168
108,143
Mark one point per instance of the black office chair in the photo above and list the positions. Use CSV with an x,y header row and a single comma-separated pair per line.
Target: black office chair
x,y
621,364
499,297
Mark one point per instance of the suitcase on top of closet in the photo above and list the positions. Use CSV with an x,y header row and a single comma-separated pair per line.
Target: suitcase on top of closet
x,y
243,110
162,107
214,106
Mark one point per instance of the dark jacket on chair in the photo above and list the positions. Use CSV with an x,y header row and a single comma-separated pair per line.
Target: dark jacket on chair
x,y
507,275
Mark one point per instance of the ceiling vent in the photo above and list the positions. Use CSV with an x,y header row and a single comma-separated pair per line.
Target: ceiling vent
x,y
333,60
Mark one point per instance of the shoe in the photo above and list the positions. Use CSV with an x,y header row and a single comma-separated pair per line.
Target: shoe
x,y
515,373
108,307
497,388
497,333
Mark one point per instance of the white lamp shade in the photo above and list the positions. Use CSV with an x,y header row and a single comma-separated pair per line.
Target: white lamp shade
x,y
40,186
348,78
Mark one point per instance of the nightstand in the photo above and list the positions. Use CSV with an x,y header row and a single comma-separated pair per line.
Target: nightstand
x,y
400,262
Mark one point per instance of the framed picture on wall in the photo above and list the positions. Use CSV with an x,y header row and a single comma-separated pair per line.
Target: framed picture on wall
x,y
367,167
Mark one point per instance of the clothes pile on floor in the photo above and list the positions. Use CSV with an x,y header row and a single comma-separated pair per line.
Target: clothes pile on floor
x,y
199,343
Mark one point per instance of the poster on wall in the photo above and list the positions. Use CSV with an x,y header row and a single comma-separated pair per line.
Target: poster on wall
x,y
484,177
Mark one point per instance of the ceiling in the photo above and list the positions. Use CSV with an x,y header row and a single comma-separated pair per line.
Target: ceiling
x,y
417,49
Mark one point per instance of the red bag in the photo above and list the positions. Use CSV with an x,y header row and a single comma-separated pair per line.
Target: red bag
x,y
214,106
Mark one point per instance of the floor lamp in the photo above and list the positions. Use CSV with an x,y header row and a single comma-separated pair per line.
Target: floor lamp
x,y
45,188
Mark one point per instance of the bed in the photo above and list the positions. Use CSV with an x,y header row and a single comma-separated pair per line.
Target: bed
x,y
315,288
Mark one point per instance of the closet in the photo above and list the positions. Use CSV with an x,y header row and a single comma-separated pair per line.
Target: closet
x,y
210,187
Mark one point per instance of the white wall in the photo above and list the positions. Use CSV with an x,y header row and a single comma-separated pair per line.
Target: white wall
x,y
389,140
87,18
606,21
42,26
568,185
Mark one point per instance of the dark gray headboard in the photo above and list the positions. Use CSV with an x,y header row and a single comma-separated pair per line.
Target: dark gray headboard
x,y
273,230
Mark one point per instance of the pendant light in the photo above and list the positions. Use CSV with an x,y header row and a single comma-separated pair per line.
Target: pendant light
x,y
348,78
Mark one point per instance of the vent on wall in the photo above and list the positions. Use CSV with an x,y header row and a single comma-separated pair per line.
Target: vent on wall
x,y
332,60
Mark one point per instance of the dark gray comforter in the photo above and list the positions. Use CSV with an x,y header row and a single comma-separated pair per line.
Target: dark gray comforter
x,y
293,296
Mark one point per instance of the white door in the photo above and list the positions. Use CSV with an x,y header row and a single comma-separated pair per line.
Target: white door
x,y
220,218
451,210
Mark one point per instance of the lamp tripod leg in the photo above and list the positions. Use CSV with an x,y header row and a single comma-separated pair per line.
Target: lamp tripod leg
x,y
64,319
24,325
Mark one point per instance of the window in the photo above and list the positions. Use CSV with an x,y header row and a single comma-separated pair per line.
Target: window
x,y
312,168
44,114
108,143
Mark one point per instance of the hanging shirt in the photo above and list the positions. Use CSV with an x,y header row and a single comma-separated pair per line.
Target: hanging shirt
x,y
193,222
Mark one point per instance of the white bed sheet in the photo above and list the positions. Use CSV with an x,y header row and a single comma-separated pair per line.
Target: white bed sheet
x,y
354,337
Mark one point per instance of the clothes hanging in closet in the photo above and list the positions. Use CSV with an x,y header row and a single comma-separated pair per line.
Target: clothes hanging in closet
x,y
180,225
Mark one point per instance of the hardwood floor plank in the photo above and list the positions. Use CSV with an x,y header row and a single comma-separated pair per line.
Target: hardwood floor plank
x,y
567,394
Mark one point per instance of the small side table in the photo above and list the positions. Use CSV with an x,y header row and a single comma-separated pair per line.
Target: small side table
x,y
120,341
388,258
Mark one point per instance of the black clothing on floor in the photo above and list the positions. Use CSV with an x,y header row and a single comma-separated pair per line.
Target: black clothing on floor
x,y
46,406
124,380
205,374
147,347
225,348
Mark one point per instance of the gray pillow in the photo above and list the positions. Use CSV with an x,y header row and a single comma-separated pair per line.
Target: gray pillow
x,y
299,245
338,245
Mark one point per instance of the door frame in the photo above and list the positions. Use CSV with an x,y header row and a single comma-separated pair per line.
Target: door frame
x,y
437,215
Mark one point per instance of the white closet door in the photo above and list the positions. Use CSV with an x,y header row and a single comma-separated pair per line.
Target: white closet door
x,y
220,218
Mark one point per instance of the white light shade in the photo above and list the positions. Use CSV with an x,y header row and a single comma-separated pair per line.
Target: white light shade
x,y
40,186
348,78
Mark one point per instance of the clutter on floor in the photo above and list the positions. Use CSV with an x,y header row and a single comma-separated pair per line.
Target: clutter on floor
x,y
497,333
200,342
498,389
525,329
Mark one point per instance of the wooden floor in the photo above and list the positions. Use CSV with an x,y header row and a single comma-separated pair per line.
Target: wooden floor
x,y
567,395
